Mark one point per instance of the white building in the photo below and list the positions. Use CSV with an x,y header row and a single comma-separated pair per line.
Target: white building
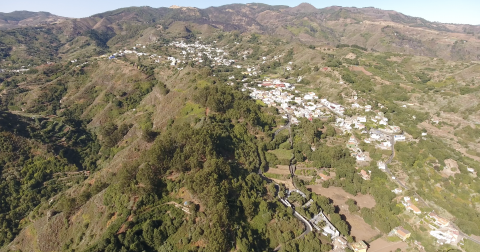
x,y
381,165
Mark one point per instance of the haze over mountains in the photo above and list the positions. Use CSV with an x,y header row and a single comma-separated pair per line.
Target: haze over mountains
x,y
371,28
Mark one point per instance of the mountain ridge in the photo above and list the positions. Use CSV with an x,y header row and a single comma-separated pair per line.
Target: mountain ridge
x,y
18,19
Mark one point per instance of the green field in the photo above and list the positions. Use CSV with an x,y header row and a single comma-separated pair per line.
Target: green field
x,y
282,154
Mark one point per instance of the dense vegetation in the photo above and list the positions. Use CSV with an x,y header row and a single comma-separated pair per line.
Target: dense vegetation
x,y
34,153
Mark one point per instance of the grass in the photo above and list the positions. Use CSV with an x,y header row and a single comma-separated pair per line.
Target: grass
x,y
191,108
282,154
470,246
305,172
448,81
202,84
272,175
261,103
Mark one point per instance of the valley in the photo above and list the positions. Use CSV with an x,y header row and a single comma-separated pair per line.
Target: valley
x,y
239,128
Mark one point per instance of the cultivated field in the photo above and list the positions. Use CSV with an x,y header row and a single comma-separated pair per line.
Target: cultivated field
x,y
280,169
339,196
381,245
360,229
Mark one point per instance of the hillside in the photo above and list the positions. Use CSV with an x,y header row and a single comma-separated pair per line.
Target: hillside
x,y
384,31
239,128
381,30
18,19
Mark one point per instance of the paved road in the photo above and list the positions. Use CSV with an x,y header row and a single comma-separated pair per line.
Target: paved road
x,y
392,142
308,226
462,234
284,127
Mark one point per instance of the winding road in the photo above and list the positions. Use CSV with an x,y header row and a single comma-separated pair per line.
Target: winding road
x,y
308,225
392,142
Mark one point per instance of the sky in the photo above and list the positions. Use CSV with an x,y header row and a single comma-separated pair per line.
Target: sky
x,y
445,11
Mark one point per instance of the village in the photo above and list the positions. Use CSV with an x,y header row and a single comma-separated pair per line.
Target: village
x,y
292,105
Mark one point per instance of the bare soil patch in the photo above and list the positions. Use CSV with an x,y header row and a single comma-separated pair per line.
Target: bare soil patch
x,y
351,56
339,196
288,183
114,217
280,169
173,176
186,195
395,59
381,245
359,228
360,69
450,169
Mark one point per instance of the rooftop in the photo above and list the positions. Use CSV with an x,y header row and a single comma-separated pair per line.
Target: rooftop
x,y
402,231
359,245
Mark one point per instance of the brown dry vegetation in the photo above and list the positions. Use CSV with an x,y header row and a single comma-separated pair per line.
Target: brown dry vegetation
x,y
360,230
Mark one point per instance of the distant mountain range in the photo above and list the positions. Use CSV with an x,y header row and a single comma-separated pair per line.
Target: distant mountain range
x,y
372,28
27,18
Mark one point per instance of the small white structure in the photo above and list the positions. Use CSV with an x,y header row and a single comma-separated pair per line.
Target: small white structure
x,y
397,190
386,144
381,165
360,157
399,138
374,136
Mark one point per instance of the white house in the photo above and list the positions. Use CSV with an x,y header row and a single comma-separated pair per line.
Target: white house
x,y
381,165
399,138
308,97
360,157
397,190
386,144
374,136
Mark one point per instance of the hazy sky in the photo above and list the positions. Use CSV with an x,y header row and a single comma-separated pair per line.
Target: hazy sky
x,y
456,11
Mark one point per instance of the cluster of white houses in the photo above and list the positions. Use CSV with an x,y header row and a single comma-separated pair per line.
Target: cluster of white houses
x,y
197,51
278,94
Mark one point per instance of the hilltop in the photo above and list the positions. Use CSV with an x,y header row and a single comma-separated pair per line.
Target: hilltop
x,y
18,19
381,30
